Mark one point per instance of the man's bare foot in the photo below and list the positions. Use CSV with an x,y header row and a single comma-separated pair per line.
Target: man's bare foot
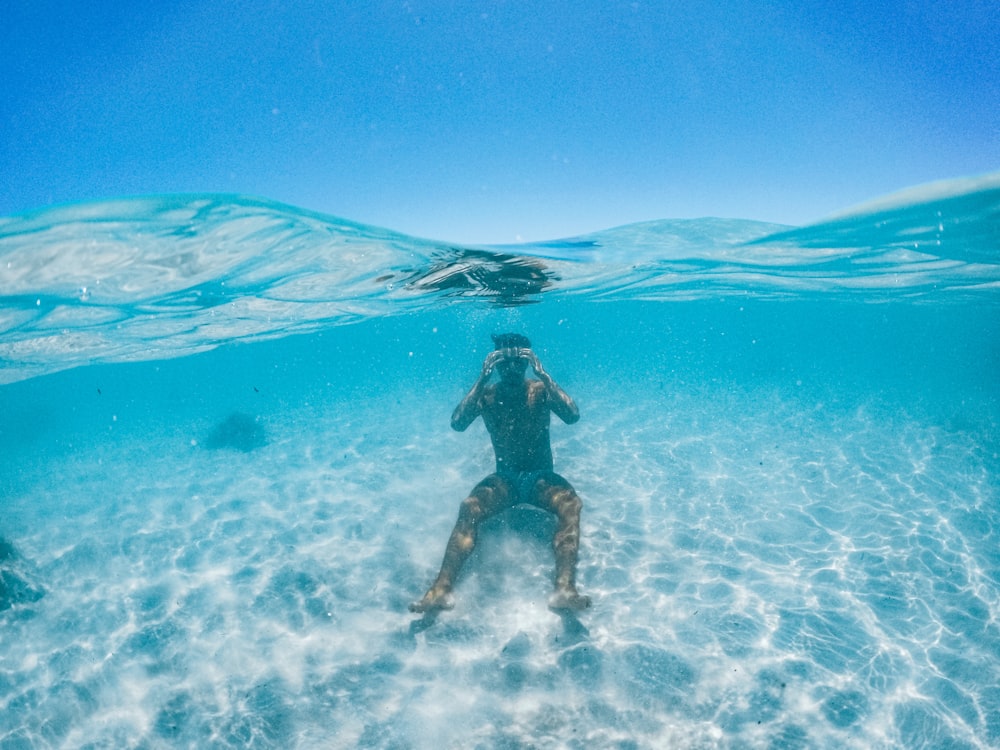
x,y
568,599
433,602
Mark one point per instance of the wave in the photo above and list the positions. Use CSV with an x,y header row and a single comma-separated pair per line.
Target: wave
x,y
160,276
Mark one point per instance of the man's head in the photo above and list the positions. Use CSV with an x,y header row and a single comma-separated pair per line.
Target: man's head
x,y
510,341
511,368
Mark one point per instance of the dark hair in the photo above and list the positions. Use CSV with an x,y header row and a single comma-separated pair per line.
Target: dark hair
x,y
510,341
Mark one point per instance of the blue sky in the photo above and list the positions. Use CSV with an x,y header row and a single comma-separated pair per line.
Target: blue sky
x,y
494,121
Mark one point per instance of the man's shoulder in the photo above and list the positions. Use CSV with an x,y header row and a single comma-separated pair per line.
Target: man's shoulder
x,y
536,387
538,394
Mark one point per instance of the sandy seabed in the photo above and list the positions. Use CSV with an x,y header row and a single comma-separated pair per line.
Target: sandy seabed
x,y
766,572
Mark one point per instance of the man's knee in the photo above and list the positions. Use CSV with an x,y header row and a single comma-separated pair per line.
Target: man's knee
x,y
473,507
465,542
567,503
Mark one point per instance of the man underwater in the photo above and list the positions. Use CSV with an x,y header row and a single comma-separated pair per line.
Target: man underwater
x,y
516,413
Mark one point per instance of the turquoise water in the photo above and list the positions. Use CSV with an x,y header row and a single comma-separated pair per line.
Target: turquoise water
x,y
228,469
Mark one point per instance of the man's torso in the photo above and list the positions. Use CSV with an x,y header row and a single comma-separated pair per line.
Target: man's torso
x,y
518,422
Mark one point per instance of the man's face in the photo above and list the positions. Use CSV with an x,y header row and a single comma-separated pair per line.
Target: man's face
x,y
511,368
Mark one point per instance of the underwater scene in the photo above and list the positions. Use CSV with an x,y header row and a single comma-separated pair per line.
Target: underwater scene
x,y
229,470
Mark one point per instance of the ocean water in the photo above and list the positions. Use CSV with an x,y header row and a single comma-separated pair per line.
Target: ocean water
x,y
228,469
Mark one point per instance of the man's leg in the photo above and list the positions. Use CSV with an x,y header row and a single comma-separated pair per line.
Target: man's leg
x,y
558,497
490,496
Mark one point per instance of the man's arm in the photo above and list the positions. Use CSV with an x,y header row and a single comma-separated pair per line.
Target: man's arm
x,y
467,411
559,401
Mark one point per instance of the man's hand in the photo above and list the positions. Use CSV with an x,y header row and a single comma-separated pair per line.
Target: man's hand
x,y
467,411
533,360
490,363
559,400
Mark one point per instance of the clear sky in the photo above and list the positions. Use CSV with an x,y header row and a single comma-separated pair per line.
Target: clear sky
x,y
493,120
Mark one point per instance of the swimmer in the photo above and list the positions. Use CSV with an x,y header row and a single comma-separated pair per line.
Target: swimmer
x,y
515,411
